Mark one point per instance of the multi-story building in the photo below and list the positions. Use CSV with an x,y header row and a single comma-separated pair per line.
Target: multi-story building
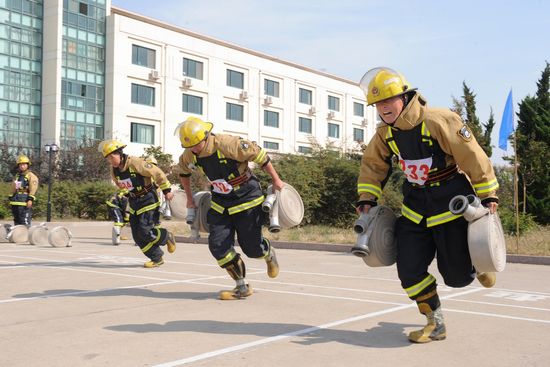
x,y
72,70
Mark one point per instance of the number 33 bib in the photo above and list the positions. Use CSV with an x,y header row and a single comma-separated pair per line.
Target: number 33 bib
x,y
416,170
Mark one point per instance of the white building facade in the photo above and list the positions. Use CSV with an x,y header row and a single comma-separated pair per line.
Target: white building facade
x,y
157,75
72,70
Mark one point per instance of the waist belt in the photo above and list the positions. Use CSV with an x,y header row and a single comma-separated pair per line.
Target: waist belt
x,y
445,174
140,193
239,180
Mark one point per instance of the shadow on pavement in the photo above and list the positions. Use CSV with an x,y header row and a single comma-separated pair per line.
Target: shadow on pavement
x,y
384,335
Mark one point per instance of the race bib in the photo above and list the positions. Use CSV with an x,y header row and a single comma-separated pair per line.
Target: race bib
x,y
416,170
18,185
126,184
221,186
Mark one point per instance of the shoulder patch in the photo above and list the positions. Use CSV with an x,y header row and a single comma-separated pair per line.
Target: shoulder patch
x,y
465,133
148,165
244,145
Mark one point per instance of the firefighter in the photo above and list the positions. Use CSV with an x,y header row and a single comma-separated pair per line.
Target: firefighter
x,y
236,198
118,205
440,158
139,177
23,191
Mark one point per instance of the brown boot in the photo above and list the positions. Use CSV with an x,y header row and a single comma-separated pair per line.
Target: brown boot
x,y
272,264
239,292
487,279
434,329
171,243
153,264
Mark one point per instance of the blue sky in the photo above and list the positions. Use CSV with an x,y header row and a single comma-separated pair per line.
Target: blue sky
x,y
491,45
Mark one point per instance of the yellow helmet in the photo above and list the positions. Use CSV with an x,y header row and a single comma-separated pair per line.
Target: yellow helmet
x,y
192,131
151,159
23,159
382,83
106,147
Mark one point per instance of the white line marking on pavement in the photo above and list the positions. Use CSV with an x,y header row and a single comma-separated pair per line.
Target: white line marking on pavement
x,y
490,314
275,338
240,347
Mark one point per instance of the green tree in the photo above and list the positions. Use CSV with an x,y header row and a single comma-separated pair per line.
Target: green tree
x,y
533,149
487,133
79,160
472,120
165,162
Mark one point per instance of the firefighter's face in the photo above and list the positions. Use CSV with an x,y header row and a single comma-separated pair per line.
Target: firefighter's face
x,y
114,159
390,109
23,167
199,147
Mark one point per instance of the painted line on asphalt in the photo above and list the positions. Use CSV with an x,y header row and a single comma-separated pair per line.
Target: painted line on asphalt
x,y
240,347
276,338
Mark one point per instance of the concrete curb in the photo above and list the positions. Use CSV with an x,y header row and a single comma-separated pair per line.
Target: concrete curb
x,y
334,247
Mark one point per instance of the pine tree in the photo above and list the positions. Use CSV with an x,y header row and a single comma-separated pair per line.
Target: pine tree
x,y
472,120
533,148
487,133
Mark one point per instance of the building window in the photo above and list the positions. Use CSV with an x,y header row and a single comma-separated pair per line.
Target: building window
x,y
271,118
304,125
358,109
234,112
143,56
192,104
192,68
333,103
333,130
83,8
143,95
305,150
143,134
235,79
358,135
305,96
271,145
271,88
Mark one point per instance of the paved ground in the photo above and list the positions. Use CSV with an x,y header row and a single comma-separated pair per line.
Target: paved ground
x,y
94,304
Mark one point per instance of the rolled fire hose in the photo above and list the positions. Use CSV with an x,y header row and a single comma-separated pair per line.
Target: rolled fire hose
x,y
285,207
196,217
38,235
60,236
178,204
18,234
375,237
485,234
4,230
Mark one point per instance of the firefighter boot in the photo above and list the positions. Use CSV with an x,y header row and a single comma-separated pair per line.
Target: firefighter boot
x,y
171,242
240,291
487,279
272,264
237,271
153,263
434,329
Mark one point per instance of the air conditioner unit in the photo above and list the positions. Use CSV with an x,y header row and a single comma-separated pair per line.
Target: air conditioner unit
x,y
187,83
153,74
312,110
268,100
331,115
243,95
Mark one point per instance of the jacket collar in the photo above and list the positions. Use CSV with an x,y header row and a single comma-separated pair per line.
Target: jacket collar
x,y
413,114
